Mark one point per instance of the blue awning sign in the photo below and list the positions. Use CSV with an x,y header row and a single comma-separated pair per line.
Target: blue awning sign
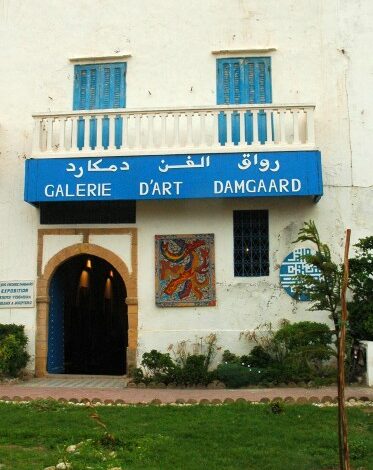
x,y
174,176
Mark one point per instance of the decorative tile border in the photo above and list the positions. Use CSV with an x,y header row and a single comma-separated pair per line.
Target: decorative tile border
x,y
325,401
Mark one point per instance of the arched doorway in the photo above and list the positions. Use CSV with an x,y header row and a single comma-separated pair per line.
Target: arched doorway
x,y
87,324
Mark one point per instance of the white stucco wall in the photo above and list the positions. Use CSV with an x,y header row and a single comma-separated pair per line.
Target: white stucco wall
x,y
118,244
321,57
52,245
242,303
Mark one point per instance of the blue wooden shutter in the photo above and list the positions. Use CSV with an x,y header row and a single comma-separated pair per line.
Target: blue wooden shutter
x,y
112,80
86,96
241,81
86,92
112,95
100,86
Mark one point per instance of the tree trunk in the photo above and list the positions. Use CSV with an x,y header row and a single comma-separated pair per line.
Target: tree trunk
x,y
344,457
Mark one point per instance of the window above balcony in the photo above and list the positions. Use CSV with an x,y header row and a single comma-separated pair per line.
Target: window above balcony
x,y
244,118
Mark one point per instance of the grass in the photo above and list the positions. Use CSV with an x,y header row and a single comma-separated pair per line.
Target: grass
x,y
234,436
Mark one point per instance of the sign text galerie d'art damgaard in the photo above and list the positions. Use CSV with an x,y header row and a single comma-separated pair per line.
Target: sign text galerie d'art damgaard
x,y
174,177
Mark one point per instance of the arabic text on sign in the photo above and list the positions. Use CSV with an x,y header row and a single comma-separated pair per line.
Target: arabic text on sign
x,y
189,164
94,167
264,163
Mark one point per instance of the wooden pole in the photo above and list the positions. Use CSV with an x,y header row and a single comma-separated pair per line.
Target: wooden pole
x,y
344,457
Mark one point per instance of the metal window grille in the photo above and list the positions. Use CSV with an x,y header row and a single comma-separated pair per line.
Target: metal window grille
x,y
251,245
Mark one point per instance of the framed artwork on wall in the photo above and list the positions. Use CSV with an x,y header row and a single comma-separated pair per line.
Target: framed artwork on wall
x,y
185,270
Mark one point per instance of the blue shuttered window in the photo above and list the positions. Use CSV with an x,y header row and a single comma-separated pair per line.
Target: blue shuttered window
x,y
243,81
100,86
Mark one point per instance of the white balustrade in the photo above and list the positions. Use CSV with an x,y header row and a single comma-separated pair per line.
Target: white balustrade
x,y
220,128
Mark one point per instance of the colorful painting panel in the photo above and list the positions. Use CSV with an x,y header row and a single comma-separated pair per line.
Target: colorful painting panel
x,y
185,270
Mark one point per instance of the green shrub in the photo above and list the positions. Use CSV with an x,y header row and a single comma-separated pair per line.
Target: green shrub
x,y
361,283
192,362
284,373
159,367
304,344
12,329
229,357
137,375
302,334
295,352
236,375
194,371
361,320
259,357
157,362
187,368
13,354
245,360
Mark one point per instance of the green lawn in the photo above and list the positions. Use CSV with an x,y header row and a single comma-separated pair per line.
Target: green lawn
x,y
234,436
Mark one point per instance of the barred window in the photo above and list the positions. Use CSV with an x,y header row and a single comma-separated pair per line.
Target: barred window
x,y
251,245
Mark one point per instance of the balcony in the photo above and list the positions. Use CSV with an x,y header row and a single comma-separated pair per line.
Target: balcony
x,y
233,128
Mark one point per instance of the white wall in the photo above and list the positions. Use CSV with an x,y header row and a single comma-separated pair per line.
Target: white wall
x,y
242,303
321,57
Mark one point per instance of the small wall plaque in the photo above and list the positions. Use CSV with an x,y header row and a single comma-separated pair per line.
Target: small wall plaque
x,y
17,294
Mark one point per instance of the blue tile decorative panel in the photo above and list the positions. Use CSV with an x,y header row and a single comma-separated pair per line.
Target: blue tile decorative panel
x,y
294,265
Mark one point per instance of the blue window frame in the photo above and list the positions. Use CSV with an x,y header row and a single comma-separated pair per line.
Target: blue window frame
x,y
243,81
251,243
100,86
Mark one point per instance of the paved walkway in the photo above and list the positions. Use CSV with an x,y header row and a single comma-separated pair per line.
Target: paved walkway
x,y
111,389
80,382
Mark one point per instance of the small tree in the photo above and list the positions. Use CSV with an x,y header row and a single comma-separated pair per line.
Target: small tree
x,y
329,293
325,292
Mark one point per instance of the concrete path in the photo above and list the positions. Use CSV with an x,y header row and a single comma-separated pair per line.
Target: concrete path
x,y
113,389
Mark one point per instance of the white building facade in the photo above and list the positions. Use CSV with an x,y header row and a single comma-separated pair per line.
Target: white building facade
x,y
157,160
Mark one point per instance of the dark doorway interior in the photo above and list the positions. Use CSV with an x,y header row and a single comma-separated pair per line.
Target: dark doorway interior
x,y
88,330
